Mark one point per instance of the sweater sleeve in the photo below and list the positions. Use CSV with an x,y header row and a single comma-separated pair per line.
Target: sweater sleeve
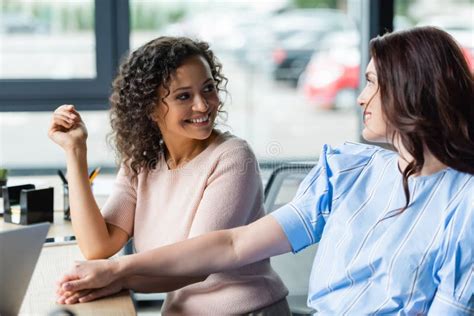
x,y
119,209
233,196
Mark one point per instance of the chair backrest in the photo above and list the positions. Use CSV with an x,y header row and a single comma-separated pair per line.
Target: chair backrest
x,y
294,269
283,183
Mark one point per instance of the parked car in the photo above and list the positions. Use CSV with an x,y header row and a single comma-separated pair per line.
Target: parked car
x,y
331,78
292,55
13,23
298,34
469,54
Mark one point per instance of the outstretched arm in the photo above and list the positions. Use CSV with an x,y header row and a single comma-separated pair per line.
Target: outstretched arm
x,y
203,255
210,253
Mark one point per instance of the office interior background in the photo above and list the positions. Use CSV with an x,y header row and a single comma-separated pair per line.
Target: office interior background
x,y
293,66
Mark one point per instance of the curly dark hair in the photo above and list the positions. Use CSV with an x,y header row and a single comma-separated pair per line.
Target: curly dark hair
x,y
136,138
427,92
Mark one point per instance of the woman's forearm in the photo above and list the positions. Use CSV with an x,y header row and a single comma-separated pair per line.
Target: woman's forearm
x,y
87,221
146,284
209,253
203,255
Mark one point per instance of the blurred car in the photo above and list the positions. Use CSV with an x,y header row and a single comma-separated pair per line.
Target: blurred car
x,y
21,23
469,54
297,36
293,54
331,78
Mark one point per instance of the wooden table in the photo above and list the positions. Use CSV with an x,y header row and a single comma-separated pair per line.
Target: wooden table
x,y
60,228
54,261
40,297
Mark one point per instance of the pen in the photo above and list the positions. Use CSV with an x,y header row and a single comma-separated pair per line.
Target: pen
x,y
94,174
61,175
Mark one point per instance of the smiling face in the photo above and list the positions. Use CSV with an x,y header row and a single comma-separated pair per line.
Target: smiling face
x,y
375,126
189,111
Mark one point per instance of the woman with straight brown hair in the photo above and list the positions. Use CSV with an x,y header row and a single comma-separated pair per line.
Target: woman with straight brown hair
x,y
395,228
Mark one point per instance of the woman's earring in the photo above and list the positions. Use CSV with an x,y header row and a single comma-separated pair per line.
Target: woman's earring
x,y
161,144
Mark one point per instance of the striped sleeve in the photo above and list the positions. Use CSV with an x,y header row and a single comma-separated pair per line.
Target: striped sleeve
x,y
304,218
454,271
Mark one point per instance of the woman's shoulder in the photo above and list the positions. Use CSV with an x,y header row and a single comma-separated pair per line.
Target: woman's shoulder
x,y
232,156
462,184
227,144
358,149
351,154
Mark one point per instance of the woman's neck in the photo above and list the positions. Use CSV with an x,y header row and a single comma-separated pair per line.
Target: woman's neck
x,y
431,164
181,151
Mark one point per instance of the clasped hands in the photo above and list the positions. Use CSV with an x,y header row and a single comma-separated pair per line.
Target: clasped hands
x,y
89,280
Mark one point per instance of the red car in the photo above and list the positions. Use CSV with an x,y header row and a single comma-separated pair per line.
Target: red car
x,y
331,79
469,53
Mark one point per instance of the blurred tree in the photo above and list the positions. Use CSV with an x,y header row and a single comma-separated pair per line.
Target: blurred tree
x,y
147,16
42,11
176,15
317,3
85,19
10,6
401,7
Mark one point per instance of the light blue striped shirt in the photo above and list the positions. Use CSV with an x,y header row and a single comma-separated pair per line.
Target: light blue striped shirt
x,y
371,260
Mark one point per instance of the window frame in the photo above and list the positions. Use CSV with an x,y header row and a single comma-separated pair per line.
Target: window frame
x,y
111,27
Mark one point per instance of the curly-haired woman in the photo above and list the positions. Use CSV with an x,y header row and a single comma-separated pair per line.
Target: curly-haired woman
x,y
179,178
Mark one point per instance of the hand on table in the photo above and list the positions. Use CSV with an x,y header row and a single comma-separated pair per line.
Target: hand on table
x,y
87,281
83,296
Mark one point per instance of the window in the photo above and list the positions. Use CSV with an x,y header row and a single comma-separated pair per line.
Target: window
x,y
51,72
293,68
292,79
80,74
47,40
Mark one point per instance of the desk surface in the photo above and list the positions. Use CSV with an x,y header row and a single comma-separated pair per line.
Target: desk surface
x,y
54,261
60,228
40,297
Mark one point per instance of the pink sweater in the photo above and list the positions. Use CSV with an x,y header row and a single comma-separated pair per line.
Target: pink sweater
x,y
220,188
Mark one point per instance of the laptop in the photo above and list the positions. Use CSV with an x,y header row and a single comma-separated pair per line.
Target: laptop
x,y
19,252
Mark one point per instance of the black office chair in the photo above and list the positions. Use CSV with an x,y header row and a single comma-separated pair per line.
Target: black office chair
x,y
293,269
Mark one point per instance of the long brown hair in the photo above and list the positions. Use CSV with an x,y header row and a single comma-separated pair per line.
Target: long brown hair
x,y
427,95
